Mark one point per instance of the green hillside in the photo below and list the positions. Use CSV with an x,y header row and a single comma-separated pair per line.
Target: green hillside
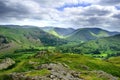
x,y
64,31
104,47
27,37
78,35
58,32
87,34
53,32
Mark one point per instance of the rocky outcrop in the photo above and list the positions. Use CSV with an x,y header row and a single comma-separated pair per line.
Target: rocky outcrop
x,y
3,40
4,43
102,74
5,63
58,71
41,54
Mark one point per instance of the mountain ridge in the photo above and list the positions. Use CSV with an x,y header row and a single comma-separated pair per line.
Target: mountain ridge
x,y
71,34
86,34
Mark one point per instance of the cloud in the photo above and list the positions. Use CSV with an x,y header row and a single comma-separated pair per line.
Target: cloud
x,y
109,2
62,13
92,16
117,16
17,9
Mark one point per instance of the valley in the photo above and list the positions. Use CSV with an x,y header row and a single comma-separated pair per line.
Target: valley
x,y
48,53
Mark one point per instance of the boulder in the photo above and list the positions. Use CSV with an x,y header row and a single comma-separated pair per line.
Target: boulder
x,y
5,63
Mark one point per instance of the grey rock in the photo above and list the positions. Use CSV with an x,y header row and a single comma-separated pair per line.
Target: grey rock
x,y
5,63
60,72
102,74
41,54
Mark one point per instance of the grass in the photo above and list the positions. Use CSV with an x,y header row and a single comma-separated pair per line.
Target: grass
x,y
87,75
115,60
55,34
42,72
76,62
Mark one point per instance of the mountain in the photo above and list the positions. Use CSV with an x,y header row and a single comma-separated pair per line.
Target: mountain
x,y
64,31
82,34
86,34
103,47
59,32
17,36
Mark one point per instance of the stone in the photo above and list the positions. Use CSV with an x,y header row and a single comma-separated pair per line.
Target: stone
x,y
5,63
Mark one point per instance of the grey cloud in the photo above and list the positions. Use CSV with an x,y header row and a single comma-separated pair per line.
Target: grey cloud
x,y
17,9
109,2
3,8
117,16
89,21
93,21
92,11
13,10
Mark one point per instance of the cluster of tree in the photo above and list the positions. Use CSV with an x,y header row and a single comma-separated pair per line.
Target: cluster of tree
x,y
114,54
78,50
53,41
68,50
3,40
26,50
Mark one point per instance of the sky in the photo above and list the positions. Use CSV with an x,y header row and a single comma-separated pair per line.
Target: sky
x,y
103,14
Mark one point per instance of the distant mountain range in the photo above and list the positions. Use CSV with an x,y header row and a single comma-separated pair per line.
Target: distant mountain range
x,y
82,34
86,34
70,34
50,35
